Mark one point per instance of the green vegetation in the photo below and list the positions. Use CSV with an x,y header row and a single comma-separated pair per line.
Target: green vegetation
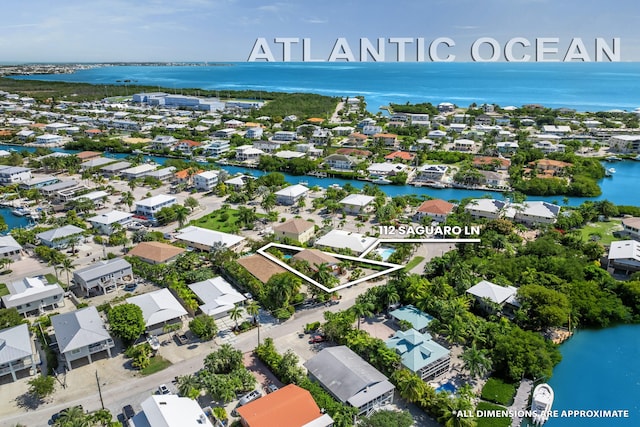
x,y
9,317
497,391
156,364
228,220
601,232
41,386
492,421
305,105
388,418
140,355
204,327
422,108
3,290
126,322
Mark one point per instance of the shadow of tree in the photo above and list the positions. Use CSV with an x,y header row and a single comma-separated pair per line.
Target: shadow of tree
x,y
28,401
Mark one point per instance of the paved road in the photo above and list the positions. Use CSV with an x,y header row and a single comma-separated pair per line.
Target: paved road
x,y
133,392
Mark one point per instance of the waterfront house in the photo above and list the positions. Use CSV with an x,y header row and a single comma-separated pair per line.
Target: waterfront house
x,y
402,156
342,239
217,295
139,171
159,309
104,276
288,154
291,194
216,148
268,146
387,169
205,181
66,191
148,208
48,138
488,208
14,174
79,334
96,163
625,143
170,410
289,406
340,162
114,169
631,227
356,204
431,172
62,237
187,146
436,209
492,179
17,351
624,256
163,142
205,240
156,252
238,182
32,295
464,145
420,354
491,297
350,379
418,319
296,229
38,182
535,212
495,163
105,223
247,153
10,248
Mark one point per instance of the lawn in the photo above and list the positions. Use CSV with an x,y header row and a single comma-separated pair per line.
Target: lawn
x,y
157,364
3,290
51,278
496,390
225,221
492,421
411,264
603,229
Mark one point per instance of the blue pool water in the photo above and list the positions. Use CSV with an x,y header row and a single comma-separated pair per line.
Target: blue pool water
x,y
385,253
448,387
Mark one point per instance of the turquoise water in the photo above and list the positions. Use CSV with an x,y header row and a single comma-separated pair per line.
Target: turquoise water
x,y
12,220
448,387
583,86
599,370
385,253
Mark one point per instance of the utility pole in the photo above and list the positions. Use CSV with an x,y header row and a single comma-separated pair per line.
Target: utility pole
x,y
99,389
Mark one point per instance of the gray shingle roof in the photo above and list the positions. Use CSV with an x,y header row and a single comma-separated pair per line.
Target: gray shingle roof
x,y
59,233
102,268
15,343
79,329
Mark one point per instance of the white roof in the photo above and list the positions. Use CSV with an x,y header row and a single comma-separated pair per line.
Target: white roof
x,y
292,191
171,410
625,249
158,307
386,167
29,289
208,174
486,205
345,239
217,295
140,169
110,217
207,237
94,195
78,329
15,343
156,200
357,200
8,244
538,209
495,293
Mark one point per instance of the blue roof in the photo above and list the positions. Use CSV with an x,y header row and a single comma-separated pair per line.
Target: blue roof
x,y
418,319
415,349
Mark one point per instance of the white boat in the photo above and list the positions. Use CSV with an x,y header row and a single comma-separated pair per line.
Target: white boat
x,y
613,159
381,181
637,158
20,211
541,403
154,342
609,172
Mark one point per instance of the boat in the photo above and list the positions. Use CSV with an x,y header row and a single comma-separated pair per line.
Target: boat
x,y
609,172
637,158
613,159
541,403
20,211
381,181
154,342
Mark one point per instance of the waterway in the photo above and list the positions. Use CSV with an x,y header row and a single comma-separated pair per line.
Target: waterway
x,y
599,370
616,189
12,220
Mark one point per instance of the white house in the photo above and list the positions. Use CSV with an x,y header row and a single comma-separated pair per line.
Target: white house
x,y
161,142
356,203
291,194
10,248
489,208
159,308
624,256
246,153
387,169
630,226
342,239
138,171
170,410
103,275
284,135
205,240
431,172
80,334
254,133
217,295
48,138
17,352
14,174
60,237
488,294
32,295
205,181
339,162
216,148
105,223
151,206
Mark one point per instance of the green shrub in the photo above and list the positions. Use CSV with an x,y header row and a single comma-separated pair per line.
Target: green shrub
x,y
498,391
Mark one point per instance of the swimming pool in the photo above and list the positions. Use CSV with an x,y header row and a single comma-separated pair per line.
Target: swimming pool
x,y
448,387
385,253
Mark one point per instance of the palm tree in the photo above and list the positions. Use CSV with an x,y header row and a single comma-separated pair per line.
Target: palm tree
x,y
188,383
451,418
410,385
235,314
182,213
363,309
128,199
67,266
73,417
268,202
253,309
324,275
476,361
55,260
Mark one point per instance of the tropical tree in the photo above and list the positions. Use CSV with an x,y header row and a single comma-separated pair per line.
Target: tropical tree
x,y
410,386
363,309
191,203
67,266
55,260
452,410
235,314
41,386
324,275
268,202
181,213
128,199
73,417
189,386
126,321
476,361
253,309
204,327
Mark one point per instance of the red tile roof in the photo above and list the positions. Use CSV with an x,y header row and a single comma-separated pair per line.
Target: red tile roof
x,y
436,206
403,155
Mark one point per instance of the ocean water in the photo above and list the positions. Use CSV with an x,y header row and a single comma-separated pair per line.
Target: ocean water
x,y
13,221
599,370
583,86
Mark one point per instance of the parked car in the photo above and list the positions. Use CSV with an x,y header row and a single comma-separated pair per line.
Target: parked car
x,y
163,389
182,338
130,287
317,338
128,412
249,397
271,388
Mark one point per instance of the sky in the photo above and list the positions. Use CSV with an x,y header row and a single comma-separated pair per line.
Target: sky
x,y
227,30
